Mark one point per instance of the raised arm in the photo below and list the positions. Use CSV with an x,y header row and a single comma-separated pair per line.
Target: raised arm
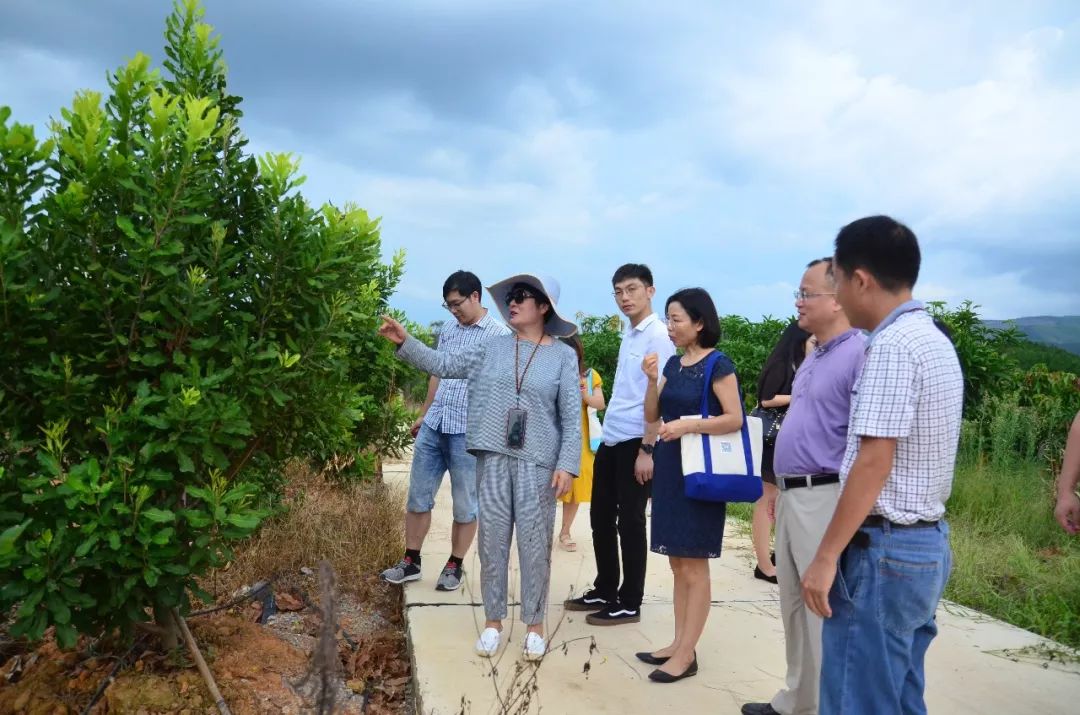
x,y
459,364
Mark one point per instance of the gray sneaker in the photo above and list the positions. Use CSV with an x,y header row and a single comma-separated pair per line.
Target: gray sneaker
x,y
402,572
450,578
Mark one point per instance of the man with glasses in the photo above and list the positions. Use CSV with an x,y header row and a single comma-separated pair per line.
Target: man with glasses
x,y
623,466
883,563
809,451
440,441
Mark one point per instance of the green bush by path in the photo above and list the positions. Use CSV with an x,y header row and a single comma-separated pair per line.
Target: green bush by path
x,y
177,322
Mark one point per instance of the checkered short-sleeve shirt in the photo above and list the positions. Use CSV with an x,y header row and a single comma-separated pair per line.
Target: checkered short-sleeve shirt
x,y
449,411
911,389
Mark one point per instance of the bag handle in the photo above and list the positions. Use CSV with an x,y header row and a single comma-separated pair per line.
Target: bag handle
x,y
589,380
748,454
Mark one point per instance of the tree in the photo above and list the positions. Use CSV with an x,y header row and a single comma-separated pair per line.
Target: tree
x,y
177,322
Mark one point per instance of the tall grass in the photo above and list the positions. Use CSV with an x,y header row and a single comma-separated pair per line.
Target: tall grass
x,y
1011,559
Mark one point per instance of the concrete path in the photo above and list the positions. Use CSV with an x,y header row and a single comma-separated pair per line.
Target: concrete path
x,y
977,665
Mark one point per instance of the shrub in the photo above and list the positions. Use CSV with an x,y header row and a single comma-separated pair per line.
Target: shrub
x,y
178,321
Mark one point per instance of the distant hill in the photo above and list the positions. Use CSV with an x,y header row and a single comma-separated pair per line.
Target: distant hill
x,y
1059,331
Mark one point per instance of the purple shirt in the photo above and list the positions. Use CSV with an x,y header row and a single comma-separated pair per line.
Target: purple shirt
x,y
813,436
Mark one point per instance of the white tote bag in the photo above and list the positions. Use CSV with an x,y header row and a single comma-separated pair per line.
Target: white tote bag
x,y
722,467
596,430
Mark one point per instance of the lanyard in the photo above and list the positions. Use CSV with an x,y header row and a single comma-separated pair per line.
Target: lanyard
x,y
519,380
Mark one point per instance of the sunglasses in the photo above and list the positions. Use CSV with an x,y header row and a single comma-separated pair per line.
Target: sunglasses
x,y
518,296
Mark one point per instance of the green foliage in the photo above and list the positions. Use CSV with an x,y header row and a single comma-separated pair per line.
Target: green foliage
x,y
1028,354
988,367
601,337
1011,559
748,344
177,322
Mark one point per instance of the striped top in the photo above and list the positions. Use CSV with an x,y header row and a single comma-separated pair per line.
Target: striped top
x,y
550,394
447,413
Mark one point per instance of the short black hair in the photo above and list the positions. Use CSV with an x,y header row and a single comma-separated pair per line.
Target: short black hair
x,y
630,271
464,283
699,305
884,247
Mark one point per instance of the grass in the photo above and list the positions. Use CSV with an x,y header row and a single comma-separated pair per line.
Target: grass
x,y
1011,559
356,527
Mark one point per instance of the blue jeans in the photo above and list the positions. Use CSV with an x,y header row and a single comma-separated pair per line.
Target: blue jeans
x,y
883,604
435,454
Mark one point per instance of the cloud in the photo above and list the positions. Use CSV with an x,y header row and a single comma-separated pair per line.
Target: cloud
x,y
723,145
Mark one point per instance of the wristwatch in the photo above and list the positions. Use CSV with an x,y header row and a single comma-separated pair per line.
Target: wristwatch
x,y
647,449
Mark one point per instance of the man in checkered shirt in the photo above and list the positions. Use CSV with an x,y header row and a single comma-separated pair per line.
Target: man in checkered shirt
x,y
883,563
440,442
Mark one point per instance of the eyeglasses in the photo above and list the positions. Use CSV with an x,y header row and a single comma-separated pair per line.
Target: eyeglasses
x,y
453,305
803,295
518,296
630,291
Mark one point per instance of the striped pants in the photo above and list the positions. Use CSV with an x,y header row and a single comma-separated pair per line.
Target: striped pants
x,y
512,493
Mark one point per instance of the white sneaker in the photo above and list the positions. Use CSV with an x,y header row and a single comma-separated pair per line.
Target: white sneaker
x,y
535,647
488,643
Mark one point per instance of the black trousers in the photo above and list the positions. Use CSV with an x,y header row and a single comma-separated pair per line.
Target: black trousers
x,y
618,517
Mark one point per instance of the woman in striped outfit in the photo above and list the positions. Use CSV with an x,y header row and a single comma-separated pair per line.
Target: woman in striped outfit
x,y
524,427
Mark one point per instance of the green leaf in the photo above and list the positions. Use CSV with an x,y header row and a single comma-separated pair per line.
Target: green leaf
x,y
84,547
159,516
35,574
151,577
162,537
245,521
61,612
184,461
200,493
10,536
66,635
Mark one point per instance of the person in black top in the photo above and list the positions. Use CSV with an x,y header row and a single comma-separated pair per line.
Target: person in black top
x,y
774,396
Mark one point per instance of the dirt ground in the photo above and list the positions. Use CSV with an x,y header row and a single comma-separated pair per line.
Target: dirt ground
x,y
259,668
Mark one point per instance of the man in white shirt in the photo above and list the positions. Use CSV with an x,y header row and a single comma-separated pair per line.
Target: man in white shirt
x,y
623,467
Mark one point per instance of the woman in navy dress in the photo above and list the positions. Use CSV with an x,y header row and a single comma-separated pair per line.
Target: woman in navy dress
x,y
689,532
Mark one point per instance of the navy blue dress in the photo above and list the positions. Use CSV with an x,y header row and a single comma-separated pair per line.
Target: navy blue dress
x,y
684,527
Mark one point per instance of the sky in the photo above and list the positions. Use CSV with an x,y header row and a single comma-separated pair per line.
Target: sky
x,y
724,144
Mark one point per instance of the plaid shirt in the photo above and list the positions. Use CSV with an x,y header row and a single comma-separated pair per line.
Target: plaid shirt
x,y
912,390
449,412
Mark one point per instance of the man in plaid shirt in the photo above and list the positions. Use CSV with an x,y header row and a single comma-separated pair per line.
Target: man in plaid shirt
x,y
440,442
883,563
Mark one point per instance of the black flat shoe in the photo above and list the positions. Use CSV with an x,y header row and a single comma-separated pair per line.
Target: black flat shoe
x,y
758,573
659,676
647,657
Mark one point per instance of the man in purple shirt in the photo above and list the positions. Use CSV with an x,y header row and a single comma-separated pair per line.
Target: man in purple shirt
x,y
809,451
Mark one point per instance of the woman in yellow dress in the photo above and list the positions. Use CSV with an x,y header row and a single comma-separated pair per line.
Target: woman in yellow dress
x,y
591,396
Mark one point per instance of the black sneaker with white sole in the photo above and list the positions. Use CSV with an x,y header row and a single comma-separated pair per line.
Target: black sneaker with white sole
x,y
590,601
402,572
613,616
450,578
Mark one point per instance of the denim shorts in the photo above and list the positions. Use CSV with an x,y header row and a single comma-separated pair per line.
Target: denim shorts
x,y
435,454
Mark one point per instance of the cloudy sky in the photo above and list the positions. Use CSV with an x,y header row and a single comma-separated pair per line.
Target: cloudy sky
x,y
720,143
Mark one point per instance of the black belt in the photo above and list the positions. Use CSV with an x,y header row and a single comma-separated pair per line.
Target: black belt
x,y
877,520
808,480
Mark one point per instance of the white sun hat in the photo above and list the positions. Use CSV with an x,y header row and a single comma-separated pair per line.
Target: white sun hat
x,y
558,326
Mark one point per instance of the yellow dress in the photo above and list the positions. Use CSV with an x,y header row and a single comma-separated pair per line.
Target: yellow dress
x,y
582,489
